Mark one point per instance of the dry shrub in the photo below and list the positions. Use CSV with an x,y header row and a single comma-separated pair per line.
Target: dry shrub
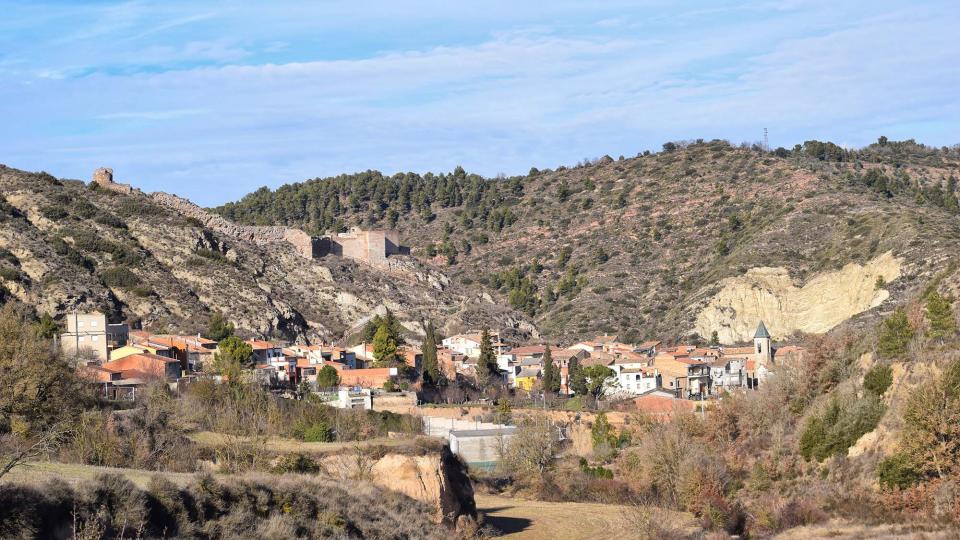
x,y
772,513
268,507
935,500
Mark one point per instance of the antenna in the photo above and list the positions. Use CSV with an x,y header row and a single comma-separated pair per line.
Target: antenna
x,y
766,142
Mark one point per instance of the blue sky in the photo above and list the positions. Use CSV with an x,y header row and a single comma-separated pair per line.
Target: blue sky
x,y
212,100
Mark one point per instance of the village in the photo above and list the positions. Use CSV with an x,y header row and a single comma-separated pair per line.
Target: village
x,y
122,360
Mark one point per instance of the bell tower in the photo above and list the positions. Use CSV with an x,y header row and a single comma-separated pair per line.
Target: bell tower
x,y
762,346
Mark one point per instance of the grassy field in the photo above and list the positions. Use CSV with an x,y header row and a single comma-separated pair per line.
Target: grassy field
x,y
522,519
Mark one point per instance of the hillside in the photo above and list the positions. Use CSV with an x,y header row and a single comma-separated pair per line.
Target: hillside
x,y
702,237
66,244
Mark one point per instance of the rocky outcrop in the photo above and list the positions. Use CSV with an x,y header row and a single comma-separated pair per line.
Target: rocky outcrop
x,y
439,479
769,294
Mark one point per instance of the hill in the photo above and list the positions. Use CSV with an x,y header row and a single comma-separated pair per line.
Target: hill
x,y
702,237
148,259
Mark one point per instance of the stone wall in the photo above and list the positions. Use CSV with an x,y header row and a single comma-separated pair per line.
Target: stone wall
x,y
304,244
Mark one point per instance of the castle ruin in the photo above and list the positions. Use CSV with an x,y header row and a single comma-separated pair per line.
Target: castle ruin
x,y
370,247
103,177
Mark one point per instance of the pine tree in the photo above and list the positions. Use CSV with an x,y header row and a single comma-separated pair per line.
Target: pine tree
x,y
943,325
551,377
577,382
384,346
431,366
487,363
895,334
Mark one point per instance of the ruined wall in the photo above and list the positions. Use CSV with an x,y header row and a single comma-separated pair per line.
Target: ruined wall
x,y
103,177
304,244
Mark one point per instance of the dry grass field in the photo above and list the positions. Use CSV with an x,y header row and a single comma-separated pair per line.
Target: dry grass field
x,y
521,519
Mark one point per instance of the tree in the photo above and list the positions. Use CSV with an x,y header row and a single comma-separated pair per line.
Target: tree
x,y
532,449
219,328
431,365
487,369
551,376
576,381
232,356
602,432
328,377
895,334
597,377
41,395
384,346
714,338
388,320
943,325
47,328
503,414
930,441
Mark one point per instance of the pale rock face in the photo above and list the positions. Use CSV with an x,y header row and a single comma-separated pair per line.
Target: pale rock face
x,y
768,294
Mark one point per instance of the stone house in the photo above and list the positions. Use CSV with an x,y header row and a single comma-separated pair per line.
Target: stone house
x,y
89,334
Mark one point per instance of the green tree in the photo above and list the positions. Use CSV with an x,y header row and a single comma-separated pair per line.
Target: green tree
x,y
232,356
431,365
943,325
597,377
576,380
602,432
487,369
384,347
390,321
47,328
328,377
878,379
895,334
219,328
714,338
551,375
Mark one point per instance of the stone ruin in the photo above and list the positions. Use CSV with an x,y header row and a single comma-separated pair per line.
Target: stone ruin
x,y
103,177
370,247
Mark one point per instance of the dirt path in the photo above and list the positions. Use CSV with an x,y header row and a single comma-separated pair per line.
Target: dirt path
x,y
537,520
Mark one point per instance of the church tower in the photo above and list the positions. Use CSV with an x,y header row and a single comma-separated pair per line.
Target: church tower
x,y
762,346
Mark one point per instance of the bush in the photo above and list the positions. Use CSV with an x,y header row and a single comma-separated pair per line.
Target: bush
x,y
119,277
878,379
9,274
296,463
54,212
896,472
319,432
839,427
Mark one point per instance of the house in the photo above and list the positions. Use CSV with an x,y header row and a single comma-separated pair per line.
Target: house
x,y
527,378
264,352
636,380
145,347
145,367
366,378
90,335
469,344
685,376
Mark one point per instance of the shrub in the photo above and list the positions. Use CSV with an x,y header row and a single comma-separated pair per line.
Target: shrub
x,y
896,472
878,379
319,432
54,212
110,220
9,274
119,277
296,463
895,334
839,427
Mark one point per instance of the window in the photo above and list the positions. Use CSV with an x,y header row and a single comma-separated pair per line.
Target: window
x,y
759,348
